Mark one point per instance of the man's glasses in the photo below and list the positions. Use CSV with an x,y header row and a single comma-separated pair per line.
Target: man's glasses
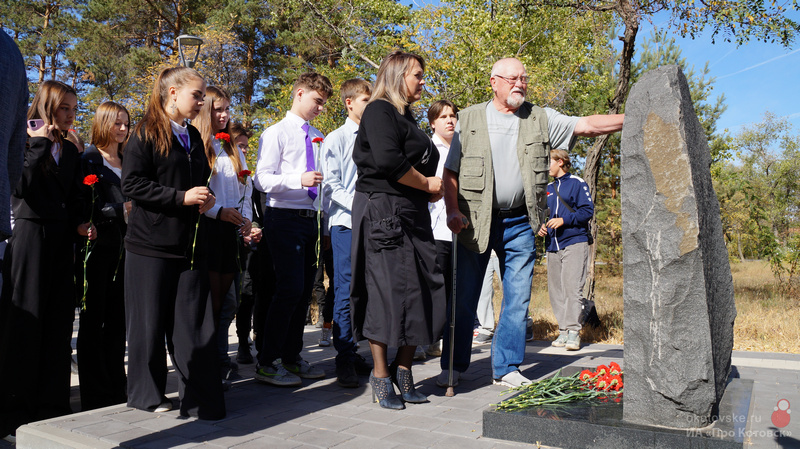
x,y
513,80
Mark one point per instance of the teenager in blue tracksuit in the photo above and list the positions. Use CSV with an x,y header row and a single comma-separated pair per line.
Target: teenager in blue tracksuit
x,y
567,232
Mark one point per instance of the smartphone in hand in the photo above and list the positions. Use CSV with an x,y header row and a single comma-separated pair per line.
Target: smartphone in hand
x,y
35,124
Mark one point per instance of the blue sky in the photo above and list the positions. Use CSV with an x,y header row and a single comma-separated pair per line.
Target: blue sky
x,y
755,77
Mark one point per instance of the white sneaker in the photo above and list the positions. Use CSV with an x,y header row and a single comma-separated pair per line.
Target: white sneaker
x,y
435,350
276,374
164,406
325,339
419,353
513,379
441,379
304,370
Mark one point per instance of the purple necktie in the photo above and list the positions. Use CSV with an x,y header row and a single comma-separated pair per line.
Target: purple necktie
x,y
185,141
312,191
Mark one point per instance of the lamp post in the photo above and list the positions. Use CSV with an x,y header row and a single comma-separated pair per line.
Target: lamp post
x,y
189,49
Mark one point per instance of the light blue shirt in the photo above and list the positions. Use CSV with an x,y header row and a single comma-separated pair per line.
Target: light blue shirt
x,y
340,173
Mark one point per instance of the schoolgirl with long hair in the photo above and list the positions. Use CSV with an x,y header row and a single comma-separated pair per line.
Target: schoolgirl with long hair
x,y
37,305
165,173
232,214
101,336
230,218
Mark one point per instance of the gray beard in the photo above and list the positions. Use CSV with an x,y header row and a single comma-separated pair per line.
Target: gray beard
x,y
515,100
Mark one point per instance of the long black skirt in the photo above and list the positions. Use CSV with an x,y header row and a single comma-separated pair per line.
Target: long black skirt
x,y
397,290
36,313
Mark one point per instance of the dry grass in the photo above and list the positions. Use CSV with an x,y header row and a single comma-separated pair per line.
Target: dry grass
x,y
767,318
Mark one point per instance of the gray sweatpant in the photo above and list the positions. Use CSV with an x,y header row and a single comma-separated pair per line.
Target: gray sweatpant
x,y
566,275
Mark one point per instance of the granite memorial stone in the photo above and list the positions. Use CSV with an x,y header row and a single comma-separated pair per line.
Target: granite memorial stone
x,y
678,289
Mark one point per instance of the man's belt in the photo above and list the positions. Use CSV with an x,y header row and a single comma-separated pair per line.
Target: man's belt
x,y
305,213
511,213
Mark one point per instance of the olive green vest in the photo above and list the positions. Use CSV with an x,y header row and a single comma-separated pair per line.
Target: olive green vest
x,y
476,174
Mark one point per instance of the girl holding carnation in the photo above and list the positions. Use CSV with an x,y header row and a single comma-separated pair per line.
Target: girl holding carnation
x,y
232,214
165,173
230,218
101,336
37,305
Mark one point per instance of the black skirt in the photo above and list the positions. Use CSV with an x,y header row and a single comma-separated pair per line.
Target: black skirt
x,y
397,289
224,247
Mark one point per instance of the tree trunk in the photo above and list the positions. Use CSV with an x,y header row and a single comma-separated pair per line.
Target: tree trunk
x,y
631,17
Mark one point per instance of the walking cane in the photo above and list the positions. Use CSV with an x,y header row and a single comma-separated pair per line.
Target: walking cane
x,y
450,391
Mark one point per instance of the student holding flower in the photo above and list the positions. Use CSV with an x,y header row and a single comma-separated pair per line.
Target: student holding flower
x,y
165,172
230,218
37,306
101,336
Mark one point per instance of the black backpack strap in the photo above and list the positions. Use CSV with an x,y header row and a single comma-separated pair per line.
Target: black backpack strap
x,y
562,199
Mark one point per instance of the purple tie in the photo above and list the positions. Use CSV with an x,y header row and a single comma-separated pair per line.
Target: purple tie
x,y
312,191
185,141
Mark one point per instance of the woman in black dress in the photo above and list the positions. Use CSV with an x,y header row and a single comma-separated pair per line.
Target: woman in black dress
x,y
101,336
38,300
397,290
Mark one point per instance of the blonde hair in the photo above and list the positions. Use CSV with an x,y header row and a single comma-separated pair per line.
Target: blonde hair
x,y
561,155
48,98
353,88
155,125
214,96
104,119
390,82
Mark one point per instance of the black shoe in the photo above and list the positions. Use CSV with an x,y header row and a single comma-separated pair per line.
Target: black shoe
x,y
362,367
346,375
243,355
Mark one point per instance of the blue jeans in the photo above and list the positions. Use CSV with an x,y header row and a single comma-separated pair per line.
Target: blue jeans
x,y
341,238
513,241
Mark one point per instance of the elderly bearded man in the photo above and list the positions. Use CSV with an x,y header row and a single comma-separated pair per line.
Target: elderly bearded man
x,y
495,179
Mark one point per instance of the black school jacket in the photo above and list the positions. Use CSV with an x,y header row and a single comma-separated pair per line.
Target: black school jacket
x,y
159,225
109,202
48,191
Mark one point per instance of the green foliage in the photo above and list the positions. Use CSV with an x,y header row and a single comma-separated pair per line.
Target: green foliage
x,y
760,196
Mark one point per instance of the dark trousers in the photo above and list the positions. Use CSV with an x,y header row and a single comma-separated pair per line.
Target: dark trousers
x,y
166,300
444,258
292,240
101,336
37,308
325,299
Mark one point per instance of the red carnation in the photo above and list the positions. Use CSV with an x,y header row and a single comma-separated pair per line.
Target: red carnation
x,y
317,140
602,370
615,383
245,173
223,136
586,375
614,368
90,180
602,384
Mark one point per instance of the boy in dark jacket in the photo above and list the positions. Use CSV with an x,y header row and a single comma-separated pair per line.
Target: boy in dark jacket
x,y
567,231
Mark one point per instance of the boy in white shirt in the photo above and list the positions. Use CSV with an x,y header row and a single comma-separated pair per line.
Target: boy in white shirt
x,y
340,182
288,172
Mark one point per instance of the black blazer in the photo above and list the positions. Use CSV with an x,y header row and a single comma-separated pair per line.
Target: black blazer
x,y
159,224
46,190
109,202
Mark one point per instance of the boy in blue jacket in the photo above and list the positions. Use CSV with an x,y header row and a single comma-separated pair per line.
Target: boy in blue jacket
x,y
567,231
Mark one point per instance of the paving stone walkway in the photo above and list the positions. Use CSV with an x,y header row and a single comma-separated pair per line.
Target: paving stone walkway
x,y
322,414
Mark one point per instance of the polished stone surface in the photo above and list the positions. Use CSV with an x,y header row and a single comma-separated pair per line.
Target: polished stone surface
x,y
599,424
